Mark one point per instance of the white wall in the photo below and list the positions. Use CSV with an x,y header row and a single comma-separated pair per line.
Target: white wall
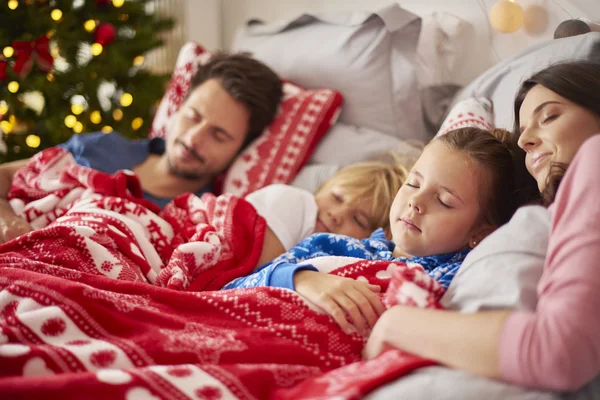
x,y
213,22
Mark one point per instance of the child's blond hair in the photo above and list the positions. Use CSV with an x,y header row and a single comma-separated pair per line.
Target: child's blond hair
x,y
377,181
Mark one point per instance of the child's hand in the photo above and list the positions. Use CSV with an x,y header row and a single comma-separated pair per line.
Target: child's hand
x,y
339,296
13,227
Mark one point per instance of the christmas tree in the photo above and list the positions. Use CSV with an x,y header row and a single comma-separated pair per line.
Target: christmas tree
x,y
73,66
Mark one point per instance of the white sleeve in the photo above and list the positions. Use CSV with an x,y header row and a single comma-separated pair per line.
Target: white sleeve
x,y
290,212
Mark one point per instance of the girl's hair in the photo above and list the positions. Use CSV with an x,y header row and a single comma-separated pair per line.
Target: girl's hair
x,y
497,153
376,181
577,81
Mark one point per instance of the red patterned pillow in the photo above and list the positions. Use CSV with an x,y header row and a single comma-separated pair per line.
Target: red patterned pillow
x,y
281,150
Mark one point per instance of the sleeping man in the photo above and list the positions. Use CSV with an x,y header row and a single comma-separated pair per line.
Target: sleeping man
x,y
232,99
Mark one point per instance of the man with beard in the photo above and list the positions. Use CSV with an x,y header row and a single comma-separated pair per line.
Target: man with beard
x,y
231,100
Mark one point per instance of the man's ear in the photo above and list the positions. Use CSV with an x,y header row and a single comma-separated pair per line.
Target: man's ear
x,y
480,233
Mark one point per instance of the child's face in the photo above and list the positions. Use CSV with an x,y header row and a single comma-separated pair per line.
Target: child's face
x,y
435,211
337,215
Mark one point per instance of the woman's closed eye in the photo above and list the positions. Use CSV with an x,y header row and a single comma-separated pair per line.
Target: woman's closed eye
x,y
412,185
549,118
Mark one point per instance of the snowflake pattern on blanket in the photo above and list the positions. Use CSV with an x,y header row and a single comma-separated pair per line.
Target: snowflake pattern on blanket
x,y
440,267
82,313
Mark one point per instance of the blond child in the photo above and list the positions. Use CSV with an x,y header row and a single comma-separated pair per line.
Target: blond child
x,y
461,188
354,202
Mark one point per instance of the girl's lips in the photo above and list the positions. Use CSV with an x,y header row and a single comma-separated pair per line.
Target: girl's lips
x,y
410,224
320,226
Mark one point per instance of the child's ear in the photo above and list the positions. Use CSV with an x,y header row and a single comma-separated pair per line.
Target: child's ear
x,y
480,233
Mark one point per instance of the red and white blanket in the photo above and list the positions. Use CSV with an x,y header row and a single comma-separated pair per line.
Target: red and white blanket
x,y
93,303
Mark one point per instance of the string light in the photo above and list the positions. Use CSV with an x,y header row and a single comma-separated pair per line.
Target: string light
x,y
12,119
126,99
89,25
70,121
33,141
3,108
118,3
118,114
6,126
78,128
77,109
139,60
96,117
97,49
8,52
123,17
50,76
137,123
51,33
56,14
107,129
13,4
13,87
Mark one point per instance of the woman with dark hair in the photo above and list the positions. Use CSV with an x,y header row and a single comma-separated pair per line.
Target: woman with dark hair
x,y
556,346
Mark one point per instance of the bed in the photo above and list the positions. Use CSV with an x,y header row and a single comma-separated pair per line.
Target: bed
x,y
120,300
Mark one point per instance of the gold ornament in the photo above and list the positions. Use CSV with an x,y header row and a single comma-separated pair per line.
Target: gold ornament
x,y
506,16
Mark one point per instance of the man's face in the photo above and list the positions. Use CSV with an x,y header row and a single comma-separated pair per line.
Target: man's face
x,y
208,132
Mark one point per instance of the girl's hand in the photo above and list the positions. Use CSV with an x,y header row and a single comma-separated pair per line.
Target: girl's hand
x,y
340,296
13,227
377,342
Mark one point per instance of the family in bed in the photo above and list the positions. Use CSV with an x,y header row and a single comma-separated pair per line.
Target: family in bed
x,y
465,185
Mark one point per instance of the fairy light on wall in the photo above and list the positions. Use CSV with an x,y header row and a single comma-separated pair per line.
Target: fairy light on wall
x,y
506,16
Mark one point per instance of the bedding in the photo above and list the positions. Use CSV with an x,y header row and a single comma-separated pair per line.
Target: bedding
x,y
92,303
369,57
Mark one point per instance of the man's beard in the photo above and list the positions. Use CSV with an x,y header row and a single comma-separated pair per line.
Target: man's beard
x,y
188,175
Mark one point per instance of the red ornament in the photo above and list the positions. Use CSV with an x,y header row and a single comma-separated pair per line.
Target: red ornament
x,y
106,34
33,52
3,65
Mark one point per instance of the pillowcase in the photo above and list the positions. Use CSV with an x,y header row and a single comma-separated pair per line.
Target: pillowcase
x,y
473,112
504,269
369,57
281,150
501,82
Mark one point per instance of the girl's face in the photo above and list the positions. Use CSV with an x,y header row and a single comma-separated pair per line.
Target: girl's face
x,y
436,209
337,215
552,130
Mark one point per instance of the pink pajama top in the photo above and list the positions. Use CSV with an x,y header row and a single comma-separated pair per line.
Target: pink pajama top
x,y
557,347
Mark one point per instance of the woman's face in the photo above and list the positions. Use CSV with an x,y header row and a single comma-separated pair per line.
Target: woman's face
x,y
552,130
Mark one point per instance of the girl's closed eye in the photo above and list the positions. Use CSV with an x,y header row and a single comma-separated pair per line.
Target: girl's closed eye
x,y
361,221
443,203
412,185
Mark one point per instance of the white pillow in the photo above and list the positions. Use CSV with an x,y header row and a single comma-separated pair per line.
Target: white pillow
x,y
504,269
369,57
346,144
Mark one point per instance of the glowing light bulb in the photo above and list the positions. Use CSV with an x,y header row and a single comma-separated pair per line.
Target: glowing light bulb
x,y
126,99
33,141
506,16
13,87
137,123
107,129
6,126
118,3
118,114
89,25
13,4
78,128
70,121
3,107
77,109
8,52
56,14
97,49
139,60
50,76
96,117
